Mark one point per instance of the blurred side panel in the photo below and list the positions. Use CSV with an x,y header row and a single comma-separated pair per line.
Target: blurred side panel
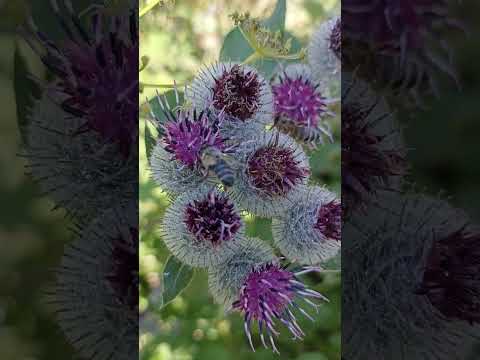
x,y
69,190
411,241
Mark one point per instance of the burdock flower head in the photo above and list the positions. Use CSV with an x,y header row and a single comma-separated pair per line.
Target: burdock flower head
x,y
202,227
96,291
176,160
310,231
406,281
451,280
299,106
324,55
66,163
252,282
96,72
272,170
373,155
237,90
188,134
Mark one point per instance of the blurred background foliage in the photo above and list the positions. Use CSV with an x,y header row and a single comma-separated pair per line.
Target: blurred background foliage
x,y
179,38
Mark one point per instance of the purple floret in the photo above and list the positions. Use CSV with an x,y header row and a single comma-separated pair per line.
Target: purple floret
x,y
213,219
188,134
299,101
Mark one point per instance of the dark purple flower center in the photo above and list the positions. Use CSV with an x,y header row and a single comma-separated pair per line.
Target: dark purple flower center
x,y
329,220
100,80
213,219
275,170
299,101
366,158
336,39
188,135
237,93
123,277
451,280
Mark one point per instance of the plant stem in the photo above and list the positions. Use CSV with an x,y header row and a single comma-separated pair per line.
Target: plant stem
x,y
252,58
148,7
160,86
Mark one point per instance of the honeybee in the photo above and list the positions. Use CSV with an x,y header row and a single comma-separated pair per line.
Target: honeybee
x,y
311,136
214,163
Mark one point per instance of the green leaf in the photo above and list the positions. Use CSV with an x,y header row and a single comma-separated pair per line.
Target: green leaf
x,y
236,48
176,277
26,90
149,142
277,20
172,102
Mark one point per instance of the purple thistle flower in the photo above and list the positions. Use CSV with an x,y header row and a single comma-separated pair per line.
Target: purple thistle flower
x,y
213,219
237,92
451,280
298,99
269,295
329,220
274,170
300,106
202,227
98,74
309,232
188,134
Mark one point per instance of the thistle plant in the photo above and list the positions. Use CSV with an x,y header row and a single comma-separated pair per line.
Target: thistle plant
x,y
234,147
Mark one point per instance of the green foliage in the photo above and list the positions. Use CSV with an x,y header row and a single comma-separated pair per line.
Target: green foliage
x,y
176,277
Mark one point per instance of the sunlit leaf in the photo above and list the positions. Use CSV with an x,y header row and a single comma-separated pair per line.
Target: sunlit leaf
x,y
277,20
176,277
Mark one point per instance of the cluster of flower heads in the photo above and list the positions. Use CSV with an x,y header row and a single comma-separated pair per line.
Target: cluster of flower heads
x,y
239,147
81,140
